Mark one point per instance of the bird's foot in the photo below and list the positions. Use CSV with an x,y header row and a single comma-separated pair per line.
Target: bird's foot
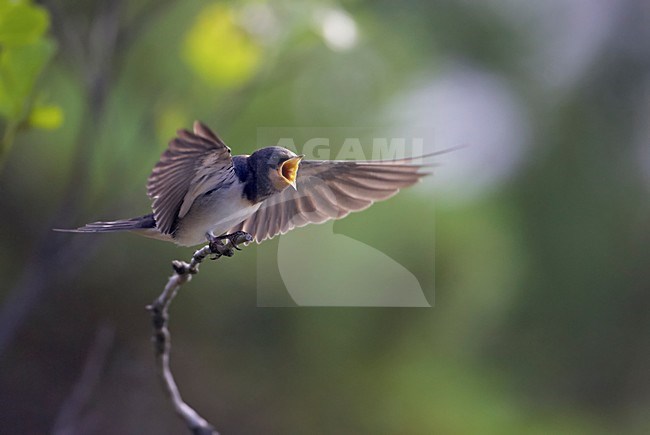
x,y
226,244
237,238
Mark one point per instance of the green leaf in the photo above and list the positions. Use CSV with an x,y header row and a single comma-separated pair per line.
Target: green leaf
x,y
48,117
21,23
19,69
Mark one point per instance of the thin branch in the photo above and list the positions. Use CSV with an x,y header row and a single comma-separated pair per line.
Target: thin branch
x,y
162,338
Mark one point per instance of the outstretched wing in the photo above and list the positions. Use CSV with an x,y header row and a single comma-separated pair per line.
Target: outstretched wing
x,y
192,164
329,190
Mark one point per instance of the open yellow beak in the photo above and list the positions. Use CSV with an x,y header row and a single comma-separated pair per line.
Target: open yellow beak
x,y
289,170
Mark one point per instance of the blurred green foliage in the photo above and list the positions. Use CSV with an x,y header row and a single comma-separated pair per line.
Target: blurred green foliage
x,y
220,51
541,291
25,50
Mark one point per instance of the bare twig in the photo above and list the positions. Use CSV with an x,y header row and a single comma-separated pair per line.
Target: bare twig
x,y
161,337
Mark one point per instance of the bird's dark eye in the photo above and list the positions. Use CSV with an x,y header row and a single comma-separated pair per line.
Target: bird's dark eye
x,y
276,163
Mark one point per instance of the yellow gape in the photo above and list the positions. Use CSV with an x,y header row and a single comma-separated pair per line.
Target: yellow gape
x,y
289,170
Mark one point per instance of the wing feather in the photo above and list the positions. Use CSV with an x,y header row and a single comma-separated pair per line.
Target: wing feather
x,y
193,163
330,190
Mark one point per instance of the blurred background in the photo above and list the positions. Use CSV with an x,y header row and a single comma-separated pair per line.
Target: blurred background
x,y
541,318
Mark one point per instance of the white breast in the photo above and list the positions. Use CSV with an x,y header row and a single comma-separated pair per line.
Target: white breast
x,y
215,213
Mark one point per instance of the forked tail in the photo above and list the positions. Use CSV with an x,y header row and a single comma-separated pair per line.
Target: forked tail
x,y
137,223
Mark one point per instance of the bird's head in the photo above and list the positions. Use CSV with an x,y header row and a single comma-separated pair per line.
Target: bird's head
x,y
276,168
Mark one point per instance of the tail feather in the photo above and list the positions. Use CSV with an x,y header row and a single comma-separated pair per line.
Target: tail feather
x,y
137,223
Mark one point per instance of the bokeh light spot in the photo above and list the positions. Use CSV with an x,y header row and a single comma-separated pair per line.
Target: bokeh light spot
x,y
220,51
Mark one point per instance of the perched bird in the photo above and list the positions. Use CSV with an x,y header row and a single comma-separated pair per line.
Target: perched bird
x,y
201,192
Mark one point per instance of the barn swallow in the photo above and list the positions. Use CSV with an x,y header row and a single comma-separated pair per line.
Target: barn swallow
x,y
201,192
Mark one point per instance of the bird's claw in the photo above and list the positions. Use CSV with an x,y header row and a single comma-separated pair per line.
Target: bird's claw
x,y
228,252
232,242
236,238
